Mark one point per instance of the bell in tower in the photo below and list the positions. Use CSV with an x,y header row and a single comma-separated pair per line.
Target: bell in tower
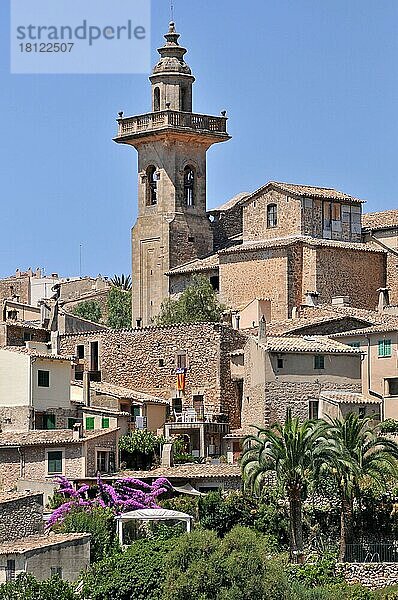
x,y
172,225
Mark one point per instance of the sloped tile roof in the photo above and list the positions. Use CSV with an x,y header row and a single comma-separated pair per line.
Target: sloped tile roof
x,y
199,264
36,542
292,325
391,326
380,220
36,353
39,437
349,398
15,495
307,191
188,471
120,392
230,203
314,343
294,239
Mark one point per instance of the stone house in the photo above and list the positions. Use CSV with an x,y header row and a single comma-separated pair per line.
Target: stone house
x,y
381,229
34,388
337,405
379,344
24,547
292,371
32,456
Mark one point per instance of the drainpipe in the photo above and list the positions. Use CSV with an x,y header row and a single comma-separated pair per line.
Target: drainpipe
x,y
372,392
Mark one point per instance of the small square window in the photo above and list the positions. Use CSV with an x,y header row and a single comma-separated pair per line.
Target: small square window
x,y
54,462
384,347
89,423
43,378
161,362
319,361
80,351
181,360
279,363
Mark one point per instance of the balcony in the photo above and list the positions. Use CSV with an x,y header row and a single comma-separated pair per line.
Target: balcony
x,y
130,128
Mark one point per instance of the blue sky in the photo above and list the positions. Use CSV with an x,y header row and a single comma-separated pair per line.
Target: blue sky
x,y
311,90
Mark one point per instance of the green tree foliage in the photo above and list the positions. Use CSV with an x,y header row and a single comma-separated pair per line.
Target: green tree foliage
x,y
119,308
122,282
100,523
182,503
138,573
237,567
365,455
140,448
26,587
298,452
197,304
389,426
90,309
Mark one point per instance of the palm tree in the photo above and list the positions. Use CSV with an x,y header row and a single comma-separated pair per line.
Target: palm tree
x,y
298,452
366,454
122,281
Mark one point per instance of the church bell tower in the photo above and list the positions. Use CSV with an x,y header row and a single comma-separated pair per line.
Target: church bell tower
x,y
172,226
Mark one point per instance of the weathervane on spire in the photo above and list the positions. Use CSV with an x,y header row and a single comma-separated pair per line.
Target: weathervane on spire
x,y
172,10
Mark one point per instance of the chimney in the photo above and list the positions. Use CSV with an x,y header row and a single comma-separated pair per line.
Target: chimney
x,y
54,342
295,312
86,388
77,431
384,299
311,298
341,301
167,455
262,331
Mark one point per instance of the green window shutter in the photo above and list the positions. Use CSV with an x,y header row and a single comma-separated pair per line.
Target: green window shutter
x,y
354,344
54,464
136,411
387,347
105,423
71,422
319,361
89,423
381,348
49,421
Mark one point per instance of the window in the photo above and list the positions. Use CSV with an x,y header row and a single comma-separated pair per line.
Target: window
x,y
384,348
89,423
156,99
43,378
27,337
152,186
161,362
54,462
327,215
313,409
198,404
71,422
336,211
181,360
354,344
105,423
189,184
272,219
56,572
80,351
215,283
10,570
362,412
138,323
176,405
279,363
136,411
319,361
94,362
106,462
392,386
49,421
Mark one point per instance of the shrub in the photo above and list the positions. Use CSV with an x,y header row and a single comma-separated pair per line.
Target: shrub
x,y
99,522
221,513
137,573
316,574
185,504
389,426
26,587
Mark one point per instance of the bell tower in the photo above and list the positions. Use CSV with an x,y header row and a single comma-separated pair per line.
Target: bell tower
x,y
172,226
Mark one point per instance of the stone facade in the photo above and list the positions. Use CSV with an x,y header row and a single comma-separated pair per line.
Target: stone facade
x,y
17,334
371,575
20,515
146,359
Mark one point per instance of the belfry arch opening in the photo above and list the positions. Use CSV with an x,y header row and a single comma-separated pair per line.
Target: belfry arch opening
x,y
189,186
156,99
151,186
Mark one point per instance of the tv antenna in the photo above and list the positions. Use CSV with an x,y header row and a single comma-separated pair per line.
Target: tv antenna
x,y
171,10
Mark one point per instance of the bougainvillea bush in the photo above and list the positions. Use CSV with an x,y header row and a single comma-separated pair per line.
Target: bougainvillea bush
x,y
125,494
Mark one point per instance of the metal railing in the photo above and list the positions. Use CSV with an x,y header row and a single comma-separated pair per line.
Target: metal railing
x,y
372,552
171,118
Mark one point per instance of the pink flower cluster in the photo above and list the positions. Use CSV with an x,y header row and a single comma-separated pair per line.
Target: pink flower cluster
x,y
125,494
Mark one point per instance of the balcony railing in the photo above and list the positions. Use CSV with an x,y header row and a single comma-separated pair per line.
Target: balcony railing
x,y
171,119
193,416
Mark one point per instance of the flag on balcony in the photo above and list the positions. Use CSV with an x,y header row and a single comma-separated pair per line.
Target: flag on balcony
x,y
180,380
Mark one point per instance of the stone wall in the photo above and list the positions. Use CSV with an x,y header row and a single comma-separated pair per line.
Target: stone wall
x,y
13,335
226,224
105,442
100,297
10,468
15,418
371,575
21,516
72,556
255,216
15,286
146,360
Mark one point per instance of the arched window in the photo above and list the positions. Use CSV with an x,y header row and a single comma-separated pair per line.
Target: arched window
x,y
152,186
156,99
272,215
189,186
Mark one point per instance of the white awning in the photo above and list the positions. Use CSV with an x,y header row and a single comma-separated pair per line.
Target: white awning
x,y
153,514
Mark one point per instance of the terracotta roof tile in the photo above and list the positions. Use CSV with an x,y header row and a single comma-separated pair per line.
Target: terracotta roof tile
x,y
15,495
38,437
314,343
33,542
188,471
36,353
307,191
380,220
294,239
349,398
123,393
237,199
199,264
